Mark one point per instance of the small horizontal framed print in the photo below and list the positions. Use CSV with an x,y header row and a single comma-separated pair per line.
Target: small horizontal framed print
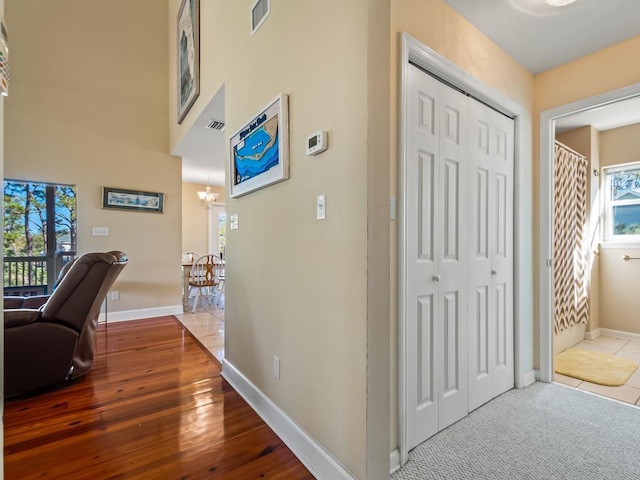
x,y
120,199
259,151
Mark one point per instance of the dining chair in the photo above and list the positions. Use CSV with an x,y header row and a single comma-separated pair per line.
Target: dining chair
x,y
205,278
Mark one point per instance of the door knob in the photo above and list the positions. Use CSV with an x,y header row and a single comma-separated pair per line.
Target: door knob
x,y
493,272
436,278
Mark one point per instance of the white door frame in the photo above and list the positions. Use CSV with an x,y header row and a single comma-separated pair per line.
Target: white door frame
x,y
415,52
213,223
547,137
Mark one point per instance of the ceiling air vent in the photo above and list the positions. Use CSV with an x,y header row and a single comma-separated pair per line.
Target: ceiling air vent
x,y
259,13
215,125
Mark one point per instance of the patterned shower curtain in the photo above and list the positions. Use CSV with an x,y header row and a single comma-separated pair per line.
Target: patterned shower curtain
x,y
571,300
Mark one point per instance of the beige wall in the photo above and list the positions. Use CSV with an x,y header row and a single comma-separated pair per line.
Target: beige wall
x,y
620,279
195,218
88,107
600,72
442,29
620,145
297,287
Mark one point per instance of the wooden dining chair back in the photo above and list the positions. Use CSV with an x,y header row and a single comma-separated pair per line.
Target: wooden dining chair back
x,y
205,277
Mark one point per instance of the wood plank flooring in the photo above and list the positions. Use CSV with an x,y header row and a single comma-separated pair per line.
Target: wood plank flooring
x,y
154,406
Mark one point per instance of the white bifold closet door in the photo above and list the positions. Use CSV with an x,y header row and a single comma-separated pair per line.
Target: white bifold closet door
x,y
441,251
490,255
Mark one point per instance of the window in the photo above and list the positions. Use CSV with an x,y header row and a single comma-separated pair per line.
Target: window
x,y
622,203
39,235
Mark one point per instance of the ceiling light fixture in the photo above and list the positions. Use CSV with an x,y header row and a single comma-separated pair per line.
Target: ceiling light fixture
x,y
559,3
208,198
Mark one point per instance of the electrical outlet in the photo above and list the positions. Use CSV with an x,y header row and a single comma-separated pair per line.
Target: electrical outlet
x,y
115,295
276,366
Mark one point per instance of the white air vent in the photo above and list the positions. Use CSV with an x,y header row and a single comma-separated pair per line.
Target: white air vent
x,y
215,125
259,13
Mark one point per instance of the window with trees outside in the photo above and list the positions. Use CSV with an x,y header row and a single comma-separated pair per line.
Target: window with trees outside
x,y
622,202
39,235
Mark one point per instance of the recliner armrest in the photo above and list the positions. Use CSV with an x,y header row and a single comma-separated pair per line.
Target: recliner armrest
x,y
13,302
35,302
32,302
20,317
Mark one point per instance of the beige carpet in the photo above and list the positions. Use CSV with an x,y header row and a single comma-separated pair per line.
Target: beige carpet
x,y
595,367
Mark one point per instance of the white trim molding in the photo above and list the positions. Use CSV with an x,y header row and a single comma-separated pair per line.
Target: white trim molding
x,y
529,378
394,461
127,315
593,334
619,334
427,59
308,450
547,137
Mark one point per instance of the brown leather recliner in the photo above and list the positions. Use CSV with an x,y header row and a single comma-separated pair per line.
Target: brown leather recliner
x,y
56,342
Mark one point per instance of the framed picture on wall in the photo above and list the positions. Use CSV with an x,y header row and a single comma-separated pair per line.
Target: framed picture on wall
x,y
188,56
120,199
259,151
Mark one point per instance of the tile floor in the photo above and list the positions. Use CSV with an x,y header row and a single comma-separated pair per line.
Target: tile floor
x,y
630,391
207,326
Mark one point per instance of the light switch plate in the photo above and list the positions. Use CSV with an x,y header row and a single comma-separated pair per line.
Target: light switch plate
x,y
100,231
321,207
392,207
233,222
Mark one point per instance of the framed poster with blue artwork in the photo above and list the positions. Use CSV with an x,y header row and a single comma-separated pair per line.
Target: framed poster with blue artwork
x,y
259,153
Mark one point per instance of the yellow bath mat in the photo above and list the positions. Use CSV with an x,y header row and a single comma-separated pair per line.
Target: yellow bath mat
x,y
595,367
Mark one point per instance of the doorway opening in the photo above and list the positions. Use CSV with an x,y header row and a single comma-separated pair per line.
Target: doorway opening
x,y
600,252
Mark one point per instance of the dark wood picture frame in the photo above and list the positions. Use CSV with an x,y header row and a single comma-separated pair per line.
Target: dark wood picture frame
x,y
187,56
121,199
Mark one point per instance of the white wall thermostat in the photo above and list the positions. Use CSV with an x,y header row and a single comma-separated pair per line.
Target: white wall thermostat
x,y
316,142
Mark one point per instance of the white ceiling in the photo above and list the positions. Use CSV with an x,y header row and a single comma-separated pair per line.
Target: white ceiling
x,y
614,115
541,37
535,34
202,149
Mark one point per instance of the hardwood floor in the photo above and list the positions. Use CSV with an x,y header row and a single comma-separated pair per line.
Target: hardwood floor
x,y
153,406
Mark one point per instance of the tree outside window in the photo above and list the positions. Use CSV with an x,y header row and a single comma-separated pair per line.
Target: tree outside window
x,y
622,202
40,233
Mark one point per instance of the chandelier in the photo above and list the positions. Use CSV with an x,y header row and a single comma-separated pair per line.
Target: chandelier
x,y
208,198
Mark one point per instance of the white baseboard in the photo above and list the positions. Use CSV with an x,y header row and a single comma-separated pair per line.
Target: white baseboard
x,y
529,378
126,315
311,453
620,334
593,335
395,461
